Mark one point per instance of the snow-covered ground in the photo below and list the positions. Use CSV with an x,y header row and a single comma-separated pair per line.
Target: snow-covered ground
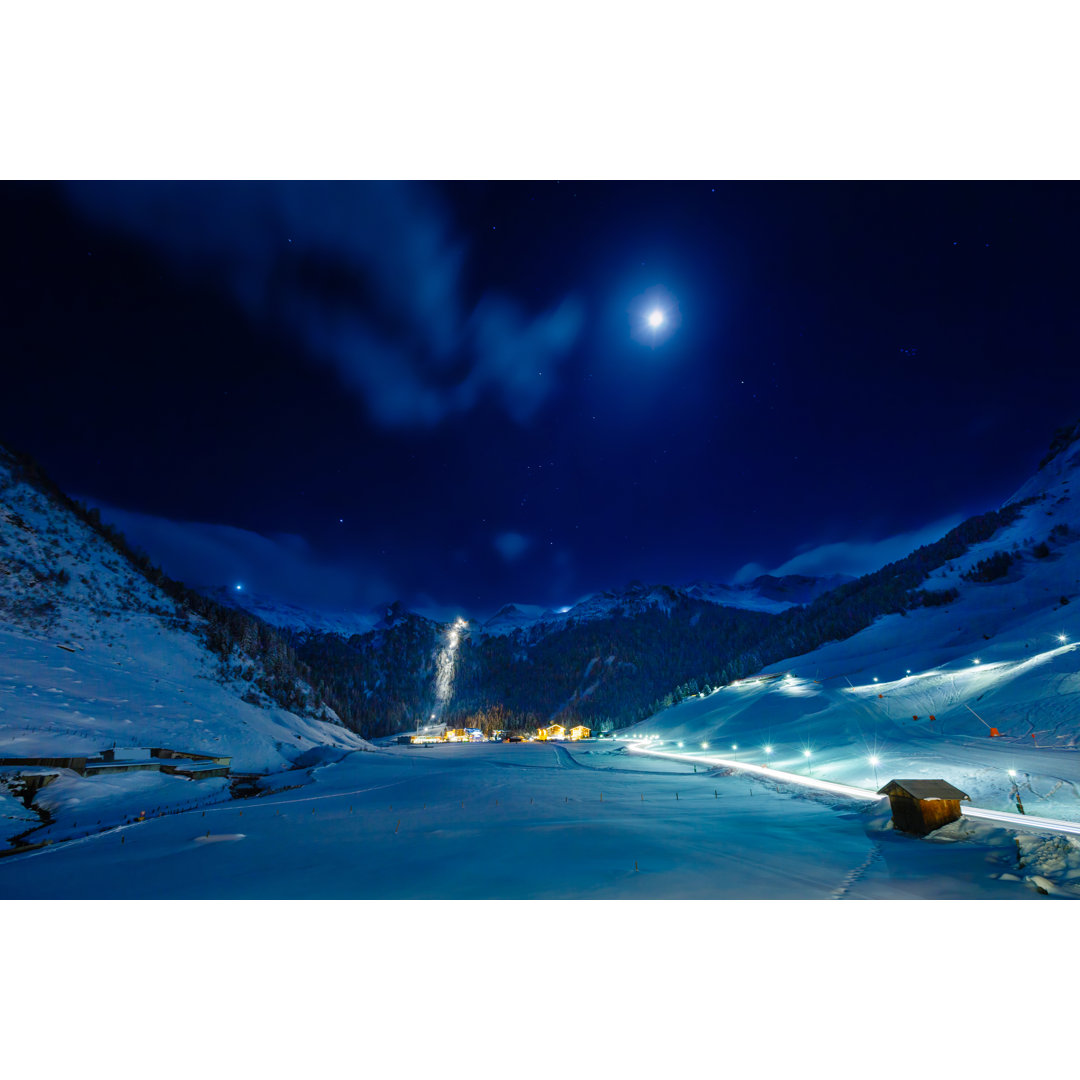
x,y
144,686
534,821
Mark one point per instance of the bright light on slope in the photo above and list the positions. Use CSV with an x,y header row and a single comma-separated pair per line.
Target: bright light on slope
x,y
445,662
772,774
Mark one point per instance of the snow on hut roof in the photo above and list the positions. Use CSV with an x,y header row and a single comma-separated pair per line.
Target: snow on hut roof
x,y
925,789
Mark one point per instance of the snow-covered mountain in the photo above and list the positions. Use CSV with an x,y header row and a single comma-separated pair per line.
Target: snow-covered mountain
x,y
294,617
765,593
93,655
983,689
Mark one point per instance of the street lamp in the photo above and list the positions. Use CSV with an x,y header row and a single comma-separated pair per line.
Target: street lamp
x,y
874,761
735,750
1016,790
806,754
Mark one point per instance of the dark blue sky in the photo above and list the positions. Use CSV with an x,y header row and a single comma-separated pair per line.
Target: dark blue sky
x,y
341,394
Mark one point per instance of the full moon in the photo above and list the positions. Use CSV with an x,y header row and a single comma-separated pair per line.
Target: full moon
x,y
656,318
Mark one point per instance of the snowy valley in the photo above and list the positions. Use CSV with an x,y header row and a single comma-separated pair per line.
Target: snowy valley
x,y
980,688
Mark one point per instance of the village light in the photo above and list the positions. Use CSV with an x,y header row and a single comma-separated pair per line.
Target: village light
x,y
704,746
1063,637
768,749
680,746
976,660
875,678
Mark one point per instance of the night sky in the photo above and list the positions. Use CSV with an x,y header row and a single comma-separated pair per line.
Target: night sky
x,y
344,394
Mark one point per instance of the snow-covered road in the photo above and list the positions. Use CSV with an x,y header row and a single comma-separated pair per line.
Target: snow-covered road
x,y
1027,822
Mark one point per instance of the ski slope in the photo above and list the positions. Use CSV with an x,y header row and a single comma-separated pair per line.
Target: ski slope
x,y
923,692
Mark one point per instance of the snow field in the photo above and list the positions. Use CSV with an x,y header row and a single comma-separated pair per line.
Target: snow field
x,y
537,821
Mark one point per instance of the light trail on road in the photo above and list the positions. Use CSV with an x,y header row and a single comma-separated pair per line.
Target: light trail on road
x,y
778,775
999,817
1022,821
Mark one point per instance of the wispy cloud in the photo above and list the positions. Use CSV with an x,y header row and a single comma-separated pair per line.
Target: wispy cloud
x,y
854,557
366,277
282,565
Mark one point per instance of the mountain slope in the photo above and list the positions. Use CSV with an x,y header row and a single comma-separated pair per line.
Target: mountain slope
x,y
93,652
923,689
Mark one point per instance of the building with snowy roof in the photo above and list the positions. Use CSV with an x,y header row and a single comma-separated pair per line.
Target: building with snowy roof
x,y
921,806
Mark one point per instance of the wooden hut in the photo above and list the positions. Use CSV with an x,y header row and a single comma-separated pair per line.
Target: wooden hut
x,y
921,806
554,731
580,731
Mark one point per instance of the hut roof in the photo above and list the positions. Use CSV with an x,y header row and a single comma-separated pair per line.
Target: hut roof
x,y
925,789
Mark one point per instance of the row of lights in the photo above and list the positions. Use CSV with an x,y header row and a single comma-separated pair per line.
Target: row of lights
x,y
1063,638
873,759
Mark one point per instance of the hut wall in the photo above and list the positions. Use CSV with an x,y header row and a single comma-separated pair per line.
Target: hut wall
x,y
938,812
922,816
122,767
905,814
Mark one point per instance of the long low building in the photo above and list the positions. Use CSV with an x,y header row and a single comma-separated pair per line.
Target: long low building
x,y
122,759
